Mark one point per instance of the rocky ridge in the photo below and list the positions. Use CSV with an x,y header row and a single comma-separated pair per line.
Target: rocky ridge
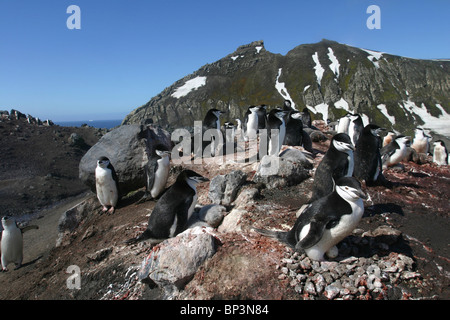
x,y
328,78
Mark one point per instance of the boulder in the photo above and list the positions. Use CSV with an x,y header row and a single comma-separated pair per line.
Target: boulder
x,y
127,147
297,157
72,218
223,189
174,262
212,214
275,172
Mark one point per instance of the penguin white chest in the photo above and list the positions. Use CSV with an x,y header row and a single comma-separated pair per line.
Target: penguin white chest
x,y
161,175
351,164
252,125
12,246
194,198
420,145
347,223
439,156
398,155
107,192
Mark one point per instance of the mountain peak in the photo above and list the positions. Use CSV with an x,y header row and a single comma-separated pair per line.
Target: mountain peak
x,y
328,78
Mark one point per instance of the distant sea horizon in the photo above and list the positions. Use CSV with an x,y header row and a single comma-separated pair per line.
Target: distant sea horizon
x,y
101,124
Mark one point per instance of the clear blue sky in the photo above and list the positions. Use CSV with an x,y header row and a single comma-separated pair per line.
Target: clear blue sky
x,y
126,52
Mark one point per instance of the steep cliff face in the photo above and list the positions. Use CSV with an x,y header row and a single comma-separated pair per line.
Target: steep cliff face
x,y
328,78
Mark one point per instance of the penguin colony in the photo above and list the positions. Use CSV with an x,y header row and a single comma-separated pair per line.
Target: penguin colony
x,y
357,154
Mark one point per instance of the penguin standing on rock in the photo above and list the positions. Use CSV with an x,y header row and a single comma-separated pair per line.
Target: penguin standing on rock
x,y
421,142
211,121
368,157
325,222
395,151
107,184
251,123
262,113
173,209
294,130
276,120
156,171
336,163
12,243
440,153
355,127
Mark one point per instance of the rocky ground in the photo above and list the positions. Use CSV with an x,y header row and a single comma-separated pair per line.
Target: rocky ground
x,y
399,250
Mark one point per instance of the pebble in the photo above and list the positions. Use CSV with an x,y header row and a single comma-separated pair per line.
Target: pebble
x,y
348,277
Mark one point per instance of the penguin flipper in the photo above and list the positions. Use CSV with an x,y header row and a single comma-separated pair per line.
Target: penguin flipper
x,y
315,232
279,235
150,170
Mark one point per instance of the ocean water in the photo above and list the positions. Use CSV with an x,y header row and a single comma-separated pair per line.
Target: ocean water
x,y
108,124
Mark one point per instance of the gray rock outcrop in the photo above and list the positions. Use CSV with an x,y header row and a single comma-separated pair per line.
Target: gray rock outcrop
x,y
276,172
128,148
223,189
174,262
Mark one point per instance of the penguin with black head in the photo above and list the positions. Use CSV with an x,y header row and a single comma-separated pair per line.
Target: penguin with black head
x,y
156,172
107,185
325,222
173,209
368,166
337,162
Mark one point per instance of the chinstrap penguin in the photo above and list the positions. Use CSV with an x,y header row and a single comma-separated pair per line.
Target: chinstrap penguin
x,y
325,222
343,124
173,210
251,123
395,151
12,243
107,185
367,155
421,142
294,130
156,172
262,113
276,121
440,153
355,127
287,105
336,163
211,121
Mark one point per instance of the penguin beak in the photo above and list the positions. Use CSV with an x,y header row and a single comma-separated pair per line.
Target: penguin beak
x,y
362,195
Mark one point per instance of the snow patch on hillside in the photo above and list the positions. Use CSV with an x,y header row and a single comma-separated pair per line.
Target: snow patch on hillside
x,y
342,104
438,124
281,88
320,108
318,68
334,66
373,55
383,109
189,86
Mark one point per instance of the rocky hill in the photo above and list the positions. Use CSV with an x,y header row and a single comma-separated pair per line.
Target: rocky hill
x,y
328,78
39,162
